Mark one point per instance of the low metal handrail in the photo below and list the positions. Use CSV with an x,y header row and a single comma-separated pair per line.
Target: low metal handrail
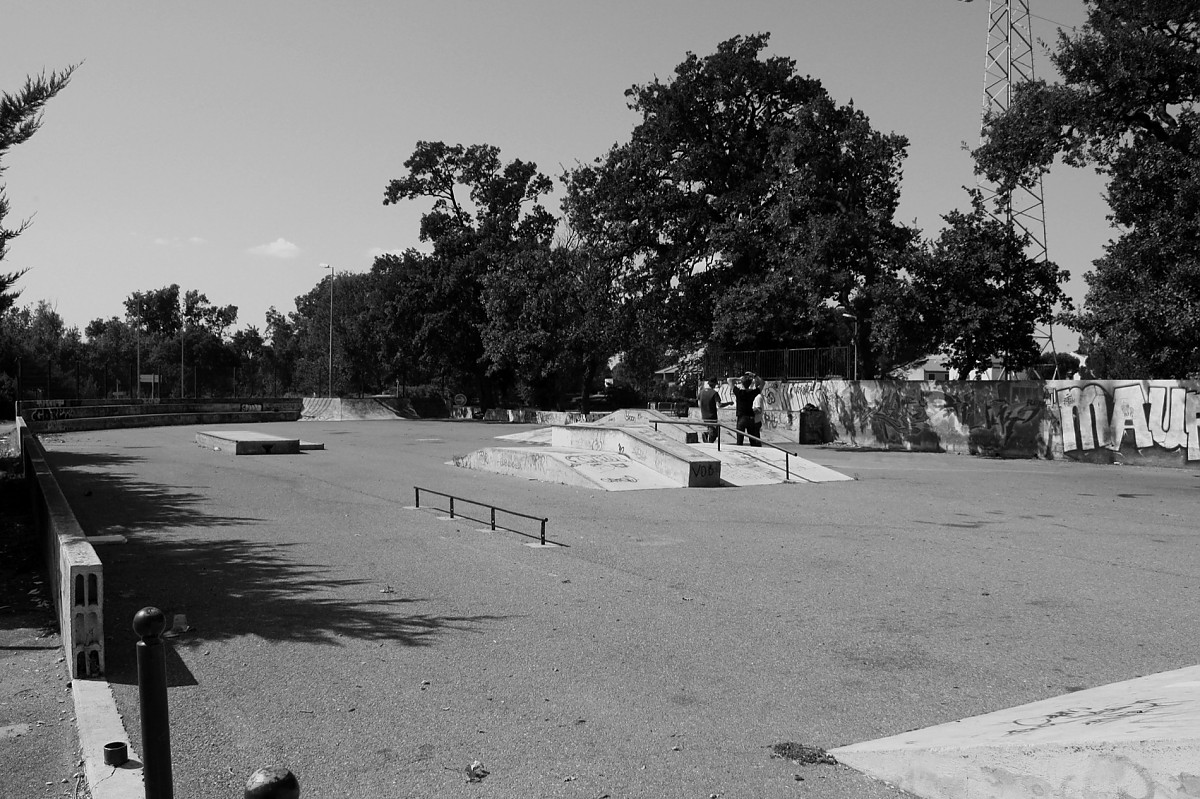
x,y
787,456
417,492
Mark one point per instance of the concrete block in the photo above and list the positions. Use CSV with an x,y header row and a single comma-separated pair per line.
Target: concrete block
x,y
247,442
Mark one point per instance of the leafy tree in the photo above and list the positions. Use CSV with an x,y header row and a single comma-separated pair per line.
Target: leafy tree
x,y
20,118
554,320
181,337
981,295
111,353
746,204
409,341
1127,104
484,211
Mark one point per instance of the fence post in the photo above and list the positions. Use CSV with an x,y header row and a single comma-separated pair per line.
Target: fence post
x,y
417,498
451,507
543,532
274,782
493,520
152,694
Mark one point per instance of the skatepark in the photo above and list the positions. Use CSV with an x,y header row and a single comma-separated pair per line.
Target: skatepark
x,y
668,643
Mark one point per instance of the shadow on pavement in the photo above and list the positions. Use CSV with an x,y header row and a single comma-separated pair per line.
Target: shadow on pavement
x,y
225,587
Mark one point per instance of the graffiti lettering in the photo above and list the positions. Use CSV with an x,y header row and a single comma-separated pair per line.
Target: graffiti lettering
x,y
251,406
46,414
1088,716
597,460
1144,414
703,469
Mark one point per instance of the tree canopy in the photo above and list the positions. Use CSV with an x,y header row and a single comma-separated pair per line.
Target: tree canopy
x,y
1127,105
747,206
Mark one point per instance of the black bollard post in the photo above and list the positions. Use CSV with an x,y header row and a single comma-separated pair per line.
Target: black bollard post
x,y
275,782
149,624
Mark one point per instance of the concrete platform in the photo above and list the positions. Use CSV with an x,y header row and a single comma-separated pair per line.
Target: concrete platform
x,y
678,462
1139,738
247,442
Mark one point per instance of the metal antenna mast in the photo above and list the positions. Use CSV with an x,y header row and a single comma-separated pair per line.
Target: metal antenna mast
x,y
1009,62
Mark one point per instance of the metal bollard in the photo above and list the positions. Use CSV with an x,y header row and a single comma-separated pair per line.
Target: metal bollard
x,y
149,624
274,782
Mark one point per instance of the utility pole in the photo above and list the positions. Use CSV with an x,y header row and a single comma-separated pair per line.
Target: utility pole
x,y
332,273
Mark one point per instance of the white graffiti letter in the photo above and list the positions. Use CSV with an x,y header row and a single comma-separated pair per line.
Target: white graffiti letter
x,y
1129,411
1166,418
1191,425
1089,407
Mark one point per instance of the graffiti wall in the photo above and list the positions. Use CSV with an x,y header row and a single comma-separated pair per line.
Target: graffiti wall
x,y
1148,421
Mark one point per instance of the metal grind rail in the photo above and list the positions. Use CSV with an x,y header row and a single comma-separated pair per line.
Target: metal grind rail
x,y
787,456
493,508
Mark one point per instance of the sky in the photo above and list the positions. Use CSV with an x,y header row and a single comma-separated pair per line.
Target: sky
x,y
234,147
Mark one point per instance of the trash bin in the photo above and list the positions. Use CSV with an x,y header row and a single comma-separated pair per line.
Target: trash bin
x,y
812,425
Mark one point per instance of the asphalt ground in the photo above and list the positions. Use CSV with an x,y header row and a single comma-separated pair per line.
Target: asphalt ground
x,y
677,636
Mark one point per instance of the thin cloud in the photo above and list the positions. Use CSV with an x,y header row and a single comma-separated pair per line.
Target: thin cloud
x,y
176,241
375,252
280,248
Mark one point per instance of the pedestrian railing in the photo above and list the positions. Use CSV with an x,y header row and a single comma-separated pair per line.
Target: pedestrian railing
x,y
493,508
709,425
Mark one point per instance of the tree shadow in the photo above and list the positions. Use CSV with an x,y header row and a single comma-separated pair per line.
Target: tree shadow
x,y
245,587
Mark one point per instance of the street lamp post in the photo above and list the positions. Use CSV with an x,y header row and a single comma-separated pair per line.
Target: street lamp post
x,y
855,318
331,276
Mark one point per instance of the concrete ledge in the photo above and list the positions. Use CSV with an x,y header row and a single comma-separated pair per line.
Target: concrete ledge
x,y
75,570
98,723
658,451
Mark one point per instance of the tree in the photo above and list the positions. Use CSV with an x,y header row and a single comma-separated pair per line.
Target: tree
x,y
1127,104
182,336
20,118
746,204
553,319
982,296
484,211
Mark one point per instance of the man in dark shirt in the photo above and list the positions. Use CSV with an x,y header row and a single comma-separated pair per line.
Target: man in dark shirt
x,y
709,400
743,397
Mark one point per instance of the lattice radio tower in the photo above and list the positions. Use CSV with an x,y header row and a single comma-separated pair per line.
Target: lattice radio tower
x,y
1009,62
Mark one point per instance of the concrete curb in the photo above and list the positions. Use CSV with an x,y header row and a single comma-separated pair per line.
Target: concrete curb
x,y
98,723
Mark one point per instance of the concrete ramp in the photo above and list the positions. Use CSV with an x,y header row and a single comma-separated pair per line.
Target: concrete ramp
x,y
604,470
678,462
1138,738
741,466
539,436
345,409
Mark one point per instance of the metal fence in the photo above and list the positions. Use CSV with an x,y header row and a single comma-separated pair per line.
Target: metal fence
x,y
817,362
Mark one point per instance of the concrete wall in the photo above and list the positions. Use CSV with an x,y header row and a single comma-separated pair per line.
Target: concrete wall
x,y
75,569
58,416
1126,421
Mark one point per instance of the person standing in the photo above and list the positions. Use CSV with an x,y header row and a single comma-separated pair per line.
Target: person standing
x,y
743,398
759,406
709,401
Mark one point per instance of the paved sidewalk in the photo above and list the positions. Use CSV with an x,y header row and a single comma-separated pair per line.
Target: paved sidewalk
x,y
39,749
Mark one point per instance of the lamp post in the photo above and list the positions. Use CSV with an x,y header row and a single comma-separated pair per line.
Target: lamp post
x,y
331,276
855,318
